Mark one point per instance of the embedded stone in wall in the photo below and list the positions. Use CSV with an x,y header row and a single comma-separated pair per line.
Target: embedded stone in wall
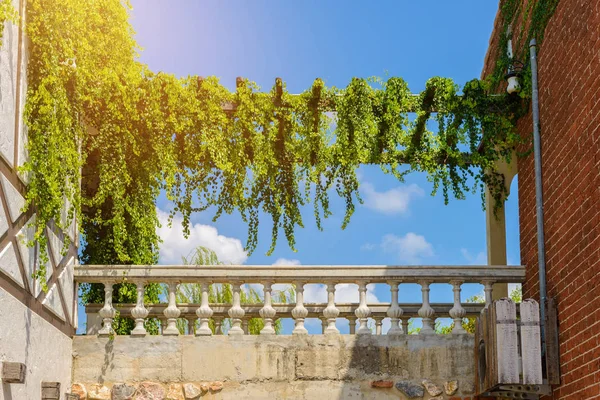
x,y
216,386
382,384
467,387
192,391
450,387
123,391
99,392
149,391
410,389
431,387
175,392
79,390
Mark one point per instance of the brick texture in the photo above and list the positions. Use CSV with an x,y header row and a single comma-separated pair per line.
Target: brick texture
x,y
569,89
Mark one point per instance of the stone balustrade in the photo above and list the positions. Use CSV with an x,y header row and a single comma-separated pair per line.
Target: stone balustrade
x,y
299,276
379,311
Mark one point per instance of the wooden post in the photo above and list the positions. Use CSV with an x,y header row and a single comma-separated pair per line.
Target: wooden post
x,y
506,341
531,348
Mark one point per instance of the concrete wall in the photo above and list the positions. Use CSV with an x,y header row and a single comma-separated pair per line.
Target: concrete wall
x,y
26,337
569,95
278,367
35,326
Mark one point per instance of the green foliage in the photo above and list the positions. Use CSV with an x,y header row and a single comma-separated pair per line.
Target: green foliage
x,y
7,13
97,114
123,293
532,17
468,324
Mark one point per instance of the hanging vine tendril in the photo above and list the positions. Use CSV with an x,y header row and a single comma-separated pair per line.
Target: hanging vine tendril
x,y
108,135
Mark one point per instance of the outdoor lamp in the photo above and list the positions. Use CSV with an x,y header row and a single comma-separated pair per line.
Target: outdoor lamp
x,y
514,71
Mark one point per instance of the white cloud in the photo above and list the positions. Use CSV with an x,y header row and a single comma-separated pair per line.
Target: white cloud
x,y
229,250
478,259
344,293
286,261
410,248
393,201
367,247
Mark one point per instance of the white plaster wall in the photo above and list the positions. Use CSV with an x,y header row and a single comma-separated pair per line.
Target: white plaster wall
x,y
26,337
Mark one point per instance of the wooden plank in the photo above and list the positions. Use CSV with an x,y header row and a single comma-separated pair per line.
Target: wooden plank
x,y
50,390
13,372
531,347
492,353
479,356
506,341
552,346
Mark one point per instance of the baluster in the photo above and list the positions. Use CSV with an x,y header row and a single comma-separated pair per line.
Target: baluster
x,y
487,288
218,325
163,325
405,322
426,312
378,325
245,324
190,324
395,312
457,312
139,312
172,312
236,312
267,312
107,312
331,312
204,312
299,312
362,312
352,324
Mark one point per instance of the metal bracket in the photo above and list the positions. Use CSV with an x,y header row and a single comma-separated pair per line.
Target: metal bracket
x,y
528,392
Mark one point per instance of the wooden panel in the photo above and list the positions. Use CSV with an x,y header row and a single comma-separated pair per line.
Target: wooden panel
x,y
13,372
479,356
506,341
491,353
531,347
50,390
552,347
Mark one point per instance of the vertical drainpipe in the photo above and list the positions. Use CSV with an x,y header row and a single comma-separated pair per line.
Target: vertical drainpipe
x,y
539,200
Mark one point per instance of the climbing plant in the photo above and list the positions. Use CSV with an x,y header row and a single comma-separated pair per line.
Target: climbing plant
x,y
108,135
521,21
7,14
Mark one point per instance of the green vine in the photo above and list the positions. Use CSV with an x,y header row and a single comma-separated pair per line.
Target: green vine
x,y
109,135
522,20
7,13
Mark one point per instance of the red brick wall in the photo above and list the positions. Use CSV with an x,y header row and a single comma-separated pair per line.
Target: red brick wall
x,y
569,89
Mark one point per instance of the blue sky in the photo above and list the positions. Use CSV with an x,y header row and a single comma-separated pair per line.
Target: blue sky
x,y
336,40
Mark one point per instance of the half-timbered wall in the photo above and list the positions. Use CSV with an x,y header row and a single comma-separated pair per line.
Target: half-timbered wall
x,y
36,326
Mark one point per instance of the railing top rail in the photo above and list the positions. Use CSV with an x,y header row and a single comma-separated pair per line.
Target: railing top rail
x,y
300,273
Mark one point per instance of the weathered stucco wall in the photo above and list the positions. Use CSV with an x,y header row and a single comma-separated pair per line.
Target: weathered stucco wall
x,y
278,367
27,338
